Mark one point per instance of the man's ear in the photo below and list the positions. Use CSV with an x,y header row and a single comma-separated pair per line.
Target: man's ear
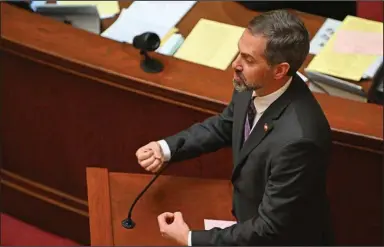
x,y
281,70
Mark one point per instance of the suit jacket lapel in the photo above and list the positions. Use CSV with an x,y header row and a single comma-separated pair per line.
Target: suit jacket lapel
x,y
265,124
240,114
263,127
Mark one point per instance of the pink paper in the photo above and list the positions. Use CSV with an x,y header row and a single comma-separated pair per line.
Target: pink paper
x,y
209,224
356,42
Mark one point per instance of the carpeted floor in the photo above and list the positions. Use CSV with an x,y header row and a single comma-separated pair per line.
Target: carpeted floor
x,y
17,233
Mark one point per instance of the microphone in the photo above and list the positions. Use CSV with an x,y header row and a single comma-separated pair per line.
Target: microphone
x,y
128,223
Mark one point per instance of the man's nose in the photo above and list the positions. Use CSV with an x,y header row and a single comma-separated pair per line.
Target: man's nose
x,y
235,64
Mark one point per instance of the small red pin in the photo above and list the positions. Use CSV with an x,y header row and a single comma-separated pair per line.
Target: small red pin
x,y
265,127
268,128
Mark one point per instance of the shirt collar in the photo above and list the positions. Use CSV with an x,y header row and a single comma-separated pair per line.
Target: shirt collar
x,y
262,103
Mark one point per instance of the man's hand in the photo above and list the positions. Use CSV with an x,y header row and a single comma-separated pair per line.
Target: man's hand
x,y
172,226
150,157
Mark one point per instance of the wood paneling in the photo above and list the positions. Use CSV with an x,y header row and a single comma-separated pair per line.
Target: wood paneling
x,y
71,99
168,194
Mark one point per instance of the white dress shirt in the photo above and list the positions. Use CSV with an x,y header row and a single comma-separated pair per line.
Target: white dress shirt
x,y
261,105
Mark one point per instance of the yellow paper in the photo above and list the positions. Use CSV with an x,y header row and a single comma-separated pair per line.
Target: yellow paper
x,y
168,35
348,66
105,8
211,43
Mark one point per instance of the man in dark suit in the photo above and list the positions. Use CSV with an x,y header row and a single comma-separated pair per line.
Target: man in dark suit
x,y
281,144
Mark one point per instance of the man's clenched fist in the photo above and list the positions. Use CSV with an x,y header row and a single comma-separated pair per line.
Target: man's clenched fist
x,y
150,157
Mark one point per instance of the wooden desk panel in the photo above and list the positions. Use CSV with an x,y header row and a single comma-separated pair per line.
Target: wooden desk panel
x,y
111,195
66,107
355,191
188,84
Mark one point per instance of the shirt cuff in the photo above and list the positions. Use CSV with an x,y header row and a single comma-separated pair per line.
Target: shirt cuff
x,y
190,238
165,148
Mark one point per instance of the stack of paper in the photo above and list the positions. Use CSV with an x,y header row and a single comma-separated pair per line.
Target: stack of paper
x,y
323,35
352,50
171,45
106,9
147,16
211,43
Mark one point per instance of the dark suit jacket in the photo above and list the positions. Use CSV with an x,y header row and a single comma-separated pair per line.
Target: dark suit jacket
x,y
279,174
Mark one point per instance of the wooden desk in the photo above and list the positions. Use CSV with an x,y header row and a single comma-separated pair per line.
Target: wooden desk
x,y
72,99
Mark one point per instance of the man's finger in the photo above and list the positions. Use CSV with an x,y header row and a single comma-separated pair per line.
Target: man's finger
x,y
178,216
146,163
163,219
157,153
154,166
145,154
157,168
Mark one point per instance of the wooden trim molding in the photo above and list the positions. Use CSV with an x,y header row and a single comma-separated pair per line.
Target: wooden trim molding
x,y
100,205
43,187
43,198
359,148
44,193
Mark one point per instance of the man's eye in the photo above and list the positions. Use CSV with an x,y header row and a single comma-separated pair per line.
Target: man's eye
x,y
247,59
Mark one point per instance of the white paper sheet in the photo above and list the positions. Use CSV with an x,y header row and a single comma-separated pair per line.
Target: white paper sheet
x,y
371,71
209,224
147,16
35,4
172,44
322,36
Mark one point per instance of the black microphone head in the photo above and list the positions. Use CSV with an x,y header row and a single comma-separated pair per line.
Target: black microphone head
x,y
128,223
147,41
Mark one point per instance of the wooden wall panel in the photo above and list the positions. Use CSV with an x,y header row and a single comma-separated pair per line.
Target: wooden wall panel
x,y
55,124
355,189
60,120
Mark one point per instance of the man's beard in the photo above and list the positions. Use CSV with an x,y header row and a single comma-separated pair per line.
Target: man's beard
x,y
241,86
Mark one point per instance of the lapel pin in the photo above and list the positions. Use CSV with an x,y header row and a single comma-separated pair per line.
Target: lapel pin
x,y
265,127
268,127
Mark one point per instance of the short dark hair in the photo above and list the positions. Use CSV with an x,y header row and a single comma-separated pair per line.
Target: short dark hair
x,y
287,38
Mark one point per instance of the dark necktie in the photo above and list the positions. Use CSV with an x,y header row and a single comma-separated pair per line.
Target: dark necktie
x,y
251,114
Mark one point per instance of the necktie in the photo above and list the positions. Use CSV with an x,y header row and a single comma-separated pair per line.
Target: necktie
x,y
251,114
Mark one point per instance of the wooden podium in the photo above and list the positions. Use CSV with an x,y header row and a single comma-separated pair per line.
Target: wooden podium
x,y
110,196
